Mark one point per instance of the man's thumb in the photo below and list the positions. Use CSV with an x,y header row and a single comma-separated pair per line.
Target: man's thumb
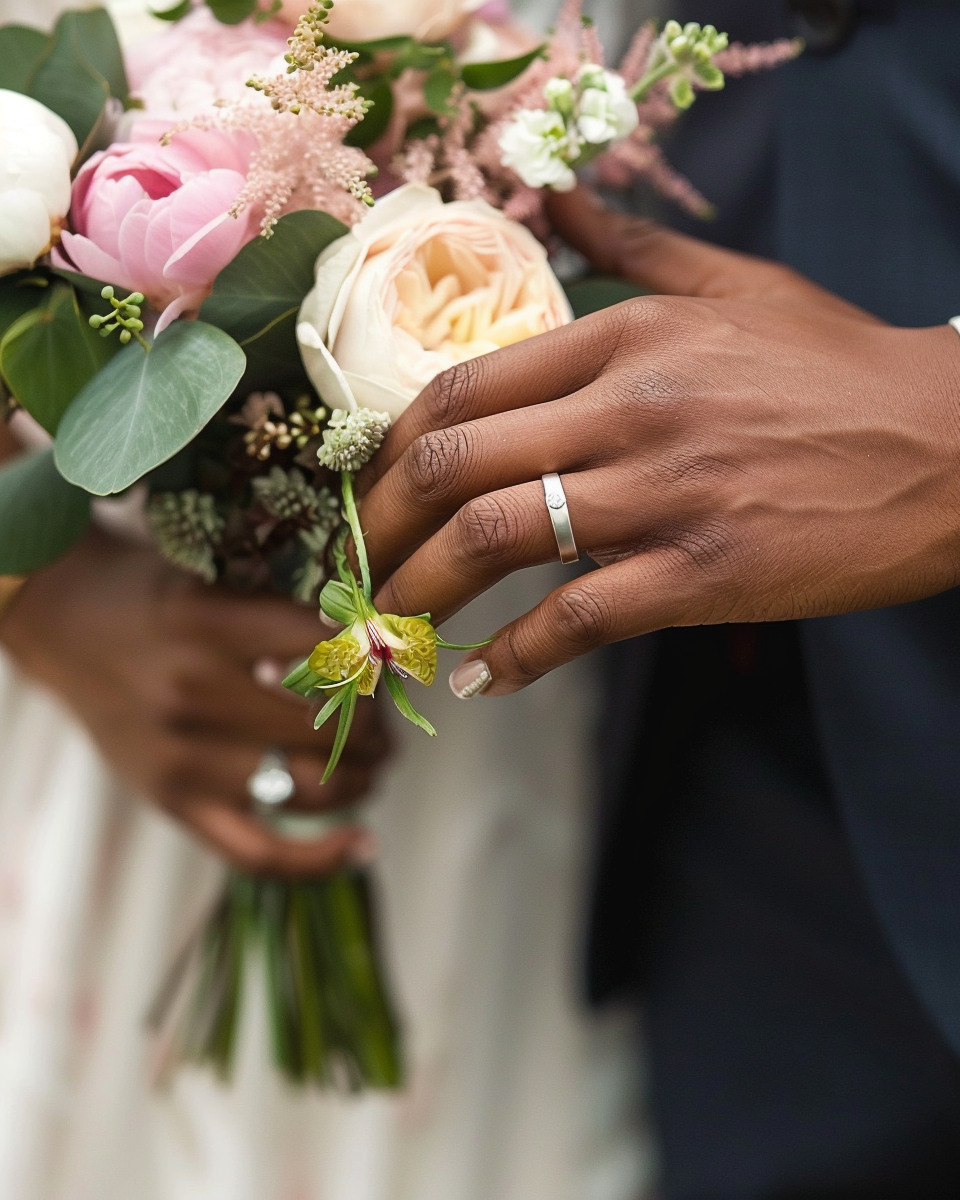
x,y
657,258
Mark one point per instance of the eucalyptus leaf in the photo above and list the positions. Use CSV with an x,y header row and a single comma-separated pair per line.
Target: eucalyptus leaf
x,y
273,358
101,46
269,278
600,291
20,49
375,123
483,76
67,82
19,293
41,515
142,408
232,12
48,354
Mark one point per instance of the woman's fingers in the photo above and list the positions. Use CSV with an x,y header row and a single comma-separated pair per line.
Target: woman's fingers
x,y
251,846
246,627
193,769
649,591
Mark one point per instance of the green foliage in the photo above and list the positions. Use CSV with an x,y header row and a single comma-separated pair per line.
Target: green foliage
x,y
176,13
73,71
424,127
483,76
375,123
49,353
41,515
144,407
438,88
232,12
257,296
600,291
20,50
337,601
19,292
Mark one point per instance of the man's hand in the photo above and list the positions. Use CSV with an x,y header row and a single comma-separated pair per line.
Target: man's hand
x,y
761,451
159,669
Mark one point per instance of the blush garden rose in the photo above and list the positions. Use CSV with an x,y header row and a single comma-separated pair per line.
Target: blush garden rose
x,y
415,287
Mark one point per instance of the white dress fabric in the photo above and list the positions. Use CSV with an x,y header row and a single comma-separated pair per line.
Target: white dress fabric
x,y
515,1092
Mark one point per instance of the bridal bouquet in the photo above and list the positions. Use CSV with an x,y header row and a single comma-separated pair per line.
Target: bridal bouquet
x,y
229,259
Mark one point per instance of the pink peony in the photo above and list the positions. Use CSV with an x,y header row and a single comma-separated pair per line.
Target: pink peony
x,y
155,219
198,62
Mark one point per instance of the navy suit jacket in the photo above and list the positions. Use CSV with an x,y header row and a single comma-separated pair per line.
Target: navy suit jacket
x,y
847,167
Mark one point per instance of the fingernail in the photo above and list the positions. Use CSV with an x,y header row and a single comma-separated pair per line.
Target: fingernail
x,y
470,678
364,850
329,622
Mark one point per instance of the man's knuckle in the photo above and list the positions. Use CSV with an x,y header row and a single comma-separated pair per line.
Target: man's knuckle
x,y
437,461
487,526
447,398
709,548
583,616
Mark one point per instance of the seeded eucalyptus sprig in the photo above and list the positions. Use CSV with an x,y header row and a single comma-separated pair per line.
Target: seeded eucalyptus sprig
x,y
125,317
372,644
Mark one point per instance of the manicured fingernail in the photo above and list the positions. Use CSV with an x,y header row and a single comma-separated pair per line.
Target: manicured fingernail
x,y
364,850
470,678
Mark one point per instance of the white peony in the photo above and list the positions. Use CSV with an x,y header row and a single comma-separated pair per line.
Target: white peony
x,y
37,149
415,287
605,110
538,145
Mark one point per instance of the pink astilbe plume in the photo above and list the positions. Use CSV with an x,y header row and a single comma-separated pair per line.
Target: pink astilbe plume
x,y
573,43
300,160
739,59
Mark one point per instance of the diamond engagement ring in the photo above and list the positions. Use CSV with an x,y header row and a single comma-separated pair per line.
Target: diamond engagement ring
x,y
271,784
560,517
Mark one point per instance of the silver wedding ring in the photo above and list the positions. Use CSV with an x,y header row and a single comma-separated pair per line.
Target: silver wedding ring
x,y
560,517
271,784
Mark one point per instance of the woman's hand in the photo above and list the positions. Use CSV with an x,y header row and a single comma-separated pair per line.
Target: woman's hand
x,y
160,670
762,451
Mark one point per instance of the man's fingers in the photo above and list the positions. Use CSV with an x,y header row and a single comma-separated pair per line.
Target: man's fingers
x,y
443,470
249,845
649,591
671,263
504,531
539,369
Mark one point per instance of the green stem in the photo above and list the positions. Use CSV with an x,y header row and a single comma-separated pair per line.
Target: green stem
x,y
353,520
640,89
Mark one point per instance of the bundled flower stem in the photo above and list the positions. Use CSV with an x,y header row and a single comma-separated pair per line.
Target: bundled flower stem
x,y
330,1018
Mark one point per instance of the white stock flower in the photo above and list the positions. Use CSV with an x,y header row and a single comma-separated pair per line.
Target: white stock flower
x,y
37,149
539,146
415,287
605,111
